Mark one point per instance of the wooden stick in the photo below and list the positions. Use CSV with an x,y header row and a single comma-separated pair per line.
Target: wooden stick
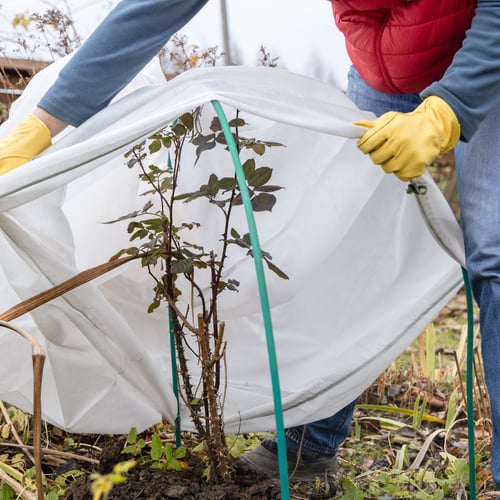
x,y
64,287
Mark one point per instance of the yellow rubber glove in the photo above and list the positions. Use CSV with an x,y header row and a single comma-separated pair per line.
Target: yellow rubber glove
x,y
406,143
25,141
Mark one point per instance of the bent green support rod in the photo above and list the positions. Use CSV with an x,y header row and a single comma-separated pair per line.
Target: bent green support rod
x,y
264,300
470,386
173,358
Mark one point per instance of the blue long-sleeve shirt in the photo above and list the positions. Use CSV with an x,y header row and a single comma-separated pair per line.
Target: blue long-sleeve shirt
x,y
127,39
135,31
471,85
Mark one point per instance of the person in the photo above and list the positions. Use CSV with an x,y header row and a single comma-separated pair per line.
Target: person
x,y
429,70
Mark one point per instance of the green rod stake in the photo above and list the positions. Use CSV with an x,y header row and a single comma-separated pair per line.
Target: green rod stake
x,y
175,385
264,300
470,386
173,359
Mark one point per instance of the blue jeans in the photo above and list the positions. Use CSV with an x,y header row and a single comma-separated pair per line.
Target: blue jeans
x,y
478,174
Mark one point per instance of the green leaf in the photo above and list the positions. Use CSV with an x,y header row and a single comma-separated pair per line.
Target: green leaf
x,y
268,189
179,130
213,184
258,148
187,120
227,183
147,206
202,139
260,176
154,305
453,409
246,239
221,138
166,183
191,196
182,266
249,167
154,146
240,242
51,495
215,125
17,475
142,233
263,202
132,162
155,225
277,270
124,217
7,493
350,490
219,203
167,142
237,122
133,226
156,447
237,200
204,147
132,436
169,455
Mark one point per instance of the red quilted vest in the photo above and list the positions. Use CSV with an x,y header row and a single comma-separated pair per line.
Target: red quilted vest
x,y
402,46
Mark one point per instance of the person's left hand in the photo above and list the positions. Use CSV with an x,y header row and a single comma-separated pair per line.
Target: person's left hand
x,y
406,143
25,141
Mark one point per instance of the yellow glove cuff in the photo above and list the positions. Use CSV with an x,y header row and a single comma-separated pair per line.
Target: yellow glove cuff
x,y
24,142
446,121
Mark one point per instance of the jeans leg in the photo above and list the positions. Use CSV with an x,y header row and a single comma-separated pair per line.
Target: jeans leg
x,y
323,436
369,99
478,175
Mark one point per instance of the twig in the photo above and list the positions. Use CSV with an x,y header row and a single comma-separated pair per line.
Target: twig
x,y
477,386
23,446
38,356
481,383
459,374
64,287
57,453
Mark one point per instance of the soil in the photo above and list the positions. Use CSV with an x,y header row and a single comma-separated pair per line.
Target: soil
x,y
152,484
146,483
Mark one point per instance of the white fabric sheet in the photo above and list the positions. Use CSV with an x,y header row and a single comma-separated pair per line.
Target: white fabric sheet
x,y
366,274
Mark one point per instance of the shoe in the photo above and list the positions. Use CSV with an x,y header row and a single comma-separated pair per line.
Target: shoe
x,y
301,466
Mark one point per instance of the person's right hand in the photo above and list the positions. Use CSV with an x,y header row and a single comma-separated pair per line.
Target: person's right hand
x,y
24,142
406,143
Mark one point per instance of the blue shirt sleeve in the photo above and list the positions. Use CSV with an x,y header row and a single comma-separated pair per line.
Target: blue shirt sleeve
x,y
471,84
128,38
